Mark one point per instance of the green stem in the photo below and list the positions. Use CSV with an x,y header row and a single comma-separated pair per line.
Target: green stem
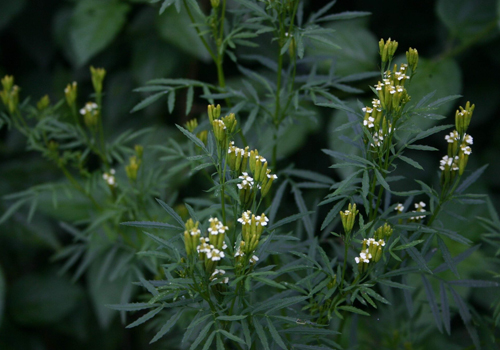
x,y
191,17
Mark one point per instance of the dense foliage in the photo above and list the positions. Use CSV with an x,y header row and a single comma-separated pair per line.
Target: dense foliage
x,y
224,227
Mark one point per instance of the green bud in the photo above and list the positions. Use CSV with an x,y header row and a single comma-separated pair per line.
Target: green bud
x,y
348,218
213,113
192,124
463,117
132,168
230,122
8,82
43,103
215,3
70,92
412,58
97,75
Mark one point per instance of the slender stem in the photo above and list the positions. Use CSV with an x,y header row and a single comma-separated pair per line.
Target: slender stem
x,y
191,17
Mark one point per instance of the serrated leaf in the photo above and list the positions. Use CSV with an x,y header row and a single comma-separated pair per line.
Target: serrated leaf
x,y
232,336
131,306
431,298
408,245
466,317
201,336
269,282
261,334
274,334
471,179
353,310
171,212
474,283
193,138
246,332
422,148
445,308
395,284
231,318
167,326
151,224
146,317
417,257
333,213
288,219
447,256
189,99
209,341
411,162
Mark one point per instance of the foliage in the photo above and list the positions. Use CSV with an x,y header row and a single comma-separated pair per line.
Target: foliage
x,y
302,276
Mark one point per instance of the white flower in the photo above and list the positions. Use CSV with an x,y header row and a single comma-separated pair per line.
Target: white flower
x,y
399,207
467,150
254,259
468,139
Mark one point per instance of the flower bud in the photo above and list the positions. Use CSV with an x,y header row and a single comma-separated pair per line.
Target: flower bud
x,y
348,218
192,124
70,92
387,49
463,117
215,3
230,122
213,113
97,75
412,58
133,168
43,103
8,82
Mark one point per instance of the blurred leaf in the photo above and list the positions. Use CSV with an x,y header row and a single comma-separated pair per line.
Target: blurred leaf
x,y
106,292
9,9
442,76
358,48
43,298
2,294
466,19
176,29
94,25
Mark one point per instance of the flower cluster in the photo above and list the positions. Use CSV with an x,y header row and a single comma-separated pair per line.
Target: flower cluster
x,y
459,147
252,228
239,160
371,250
349,217
419,208
90,114
10,93
110,178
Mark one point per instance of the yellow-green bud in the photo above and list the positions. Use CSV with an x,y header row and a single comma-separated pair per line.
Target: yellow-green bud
x,y
43,103
463,117
215,3
133,168
348,217
8,82
203,136
192,124
90,114
13,99
219,130
268,181
382,232
139,150
213,113
191,236
98,75
70,92
387,49
230,122
412,58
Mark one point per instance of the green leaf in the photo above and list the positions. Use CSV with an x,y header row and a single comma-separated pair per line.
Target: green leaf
x,y
209,341
299,200
288,219
2,294
408,245
171,101
395,284
269,282
246,333
467,19
381,180
43,298
171,212
131,306
353,310
471,179
447,256
474,283
193,138
463,310
431,298
232,336
274,334
8,10
176,29
411,162
151,224
422,148
416,256
231,318
201,335
146,317
344,15
167,326
334,212
148,100
261,334
94,25
445,308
